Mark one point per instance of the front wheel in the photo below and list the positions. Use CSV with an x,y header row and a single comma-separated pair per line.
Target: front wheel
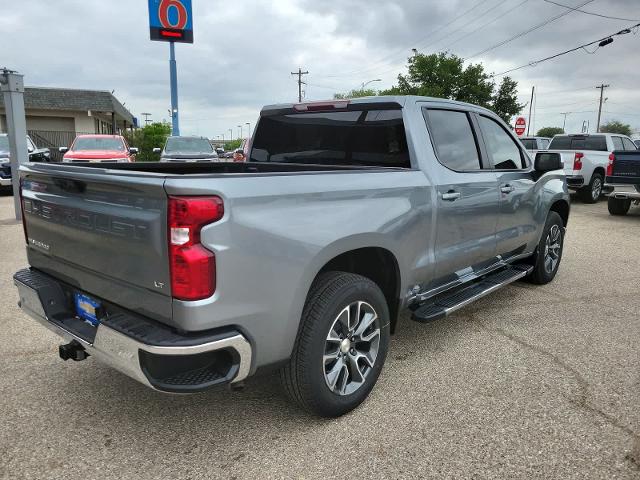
x,y
619,206
549,251
341,346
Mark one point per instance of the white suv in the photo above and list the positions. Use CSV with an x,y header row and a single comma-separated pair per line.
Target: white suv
x,y
586,158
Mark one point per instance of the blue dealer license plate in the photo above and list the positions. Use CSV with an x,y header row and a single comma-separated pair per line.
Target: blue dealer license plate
x,y
87,308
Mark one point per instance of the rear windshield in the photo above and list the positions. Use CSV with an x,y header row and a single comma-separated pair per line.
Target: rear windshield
x,y
529,143
355,137
188,145
587,142
97,143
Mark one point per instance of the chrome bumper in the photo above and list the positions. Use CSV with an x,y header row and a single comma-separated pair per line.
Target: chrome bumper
x,y
123,352
622,192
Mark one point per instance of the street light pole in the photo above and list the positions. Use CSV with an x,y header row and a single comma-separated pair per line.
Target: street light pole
x,y
231,134
173,74
248,124
239,132
370,81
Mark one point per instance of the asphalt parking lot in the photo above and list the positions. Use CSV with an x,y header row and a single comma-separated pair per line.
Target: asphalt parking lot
x,y
532,382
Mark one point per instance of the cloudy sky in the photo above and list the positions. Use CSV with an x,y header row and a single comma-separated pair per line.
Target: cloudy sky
x,y
244,52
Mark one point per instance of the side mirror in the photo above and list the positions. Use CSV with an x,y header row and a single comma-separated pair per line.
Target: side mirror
x,y
157,150
548,162
63,149
133,151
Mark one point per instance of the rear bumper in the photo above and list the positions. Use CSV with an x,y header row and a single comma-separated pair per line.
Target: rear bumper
x,y
622,192
575,181
140,348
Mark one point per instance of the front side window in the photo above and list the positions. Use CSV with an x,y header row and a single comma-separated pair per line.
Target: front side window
x,y
360,137
617,143
628,144
501,147
453,140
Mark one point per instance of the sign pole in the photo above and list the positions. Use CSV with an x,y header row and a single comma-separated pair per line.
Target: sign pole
x,y
173,73
13,89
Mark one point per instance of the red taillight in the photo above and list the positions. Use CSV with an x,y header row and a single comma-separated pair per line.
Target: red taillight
x,y
577,161
321,106
193,267
612,160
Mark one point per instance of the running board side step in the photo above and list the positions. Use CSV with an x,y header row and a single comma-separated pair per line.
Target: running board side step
x,y
448,302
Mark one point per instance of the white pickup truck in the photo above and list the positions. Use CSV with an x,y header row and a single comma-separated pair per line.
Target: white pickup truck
x,y
586,158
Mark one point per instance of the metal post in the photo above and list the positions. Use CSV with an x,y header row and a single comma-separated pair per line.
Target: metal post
x,y
173,73
601,87
12,86
533,91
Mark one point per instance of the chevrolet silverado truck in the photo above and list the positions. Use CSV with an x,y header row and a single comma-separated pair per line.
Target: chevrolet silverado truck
x,y
585,159
186,276
623,181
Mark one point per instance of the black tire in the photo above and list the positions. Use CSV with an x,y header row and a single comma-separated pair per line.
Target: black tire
x,y
304,377
618,206
592,192
541,274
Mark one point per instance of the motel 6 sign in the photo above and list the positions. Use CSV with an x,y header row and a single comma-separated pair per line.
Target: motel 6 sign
x,y
171,20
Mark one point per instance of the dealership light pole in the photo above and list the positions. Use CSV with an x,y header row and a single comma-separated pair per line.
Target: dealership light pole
x,y
173,74
12,86
239,131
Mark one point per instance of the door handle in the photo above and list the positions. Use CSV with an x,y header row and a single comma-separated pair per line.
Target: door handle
x,y
507,189
451,196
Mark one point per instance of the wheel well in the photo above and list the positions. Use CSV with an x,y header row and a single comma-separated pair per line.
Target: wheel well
x,y
561,208
599,170
378,265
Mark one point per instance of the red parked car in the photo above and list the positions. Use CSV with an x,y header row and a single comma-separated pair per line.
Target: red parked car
x,y
99,148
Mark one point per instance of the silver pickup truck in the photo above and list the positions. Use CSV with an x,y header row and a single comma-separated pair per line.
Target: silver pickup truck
x,y
185,276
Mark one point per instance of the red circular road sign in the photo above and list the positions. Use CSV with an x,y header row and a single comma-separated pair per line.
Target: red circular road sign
x,y
521,125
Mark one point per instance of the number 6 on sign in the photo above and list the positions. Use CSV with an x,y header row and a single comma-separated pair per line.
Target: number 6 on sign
x,y
171,20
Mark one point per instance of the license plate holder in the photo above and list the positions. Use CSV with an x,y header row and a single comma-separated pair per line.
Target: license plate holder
x,y
87,308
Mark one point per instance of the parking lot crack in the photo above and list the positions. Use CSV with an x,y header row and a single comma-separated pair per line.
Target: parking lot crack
x,y
582,399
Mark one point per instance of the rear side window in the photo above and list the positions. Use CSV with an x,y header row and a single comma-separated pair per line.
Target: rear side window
x,y
529,143
453,139
617,143
373,138
501,147
579,142
628,144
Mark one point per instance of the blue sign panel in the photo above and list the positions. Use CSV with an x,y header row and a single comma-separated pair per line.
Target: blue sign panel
x,y
171,20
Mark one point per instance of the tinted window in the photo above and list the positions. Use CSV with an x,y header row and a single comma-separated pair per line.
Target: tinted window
x,y
188,145
637,142
579,142
98,143
529,143
628,144
501,147
617,143
355,137
453,140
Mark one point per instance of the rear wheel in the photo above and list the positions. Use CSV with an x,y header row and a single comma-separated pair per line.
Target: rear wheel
x,y
619,206
547,260
341,347
591,193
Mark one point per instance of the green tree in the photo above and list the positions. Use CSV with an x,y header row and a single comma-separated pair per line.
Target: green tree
x,y
549,132
147,138
358,93
444,75
615,126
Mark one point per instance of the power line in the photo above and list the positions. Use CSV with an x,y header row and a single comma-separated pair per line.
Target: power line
x,y
600,42
526,32
378,63
593,13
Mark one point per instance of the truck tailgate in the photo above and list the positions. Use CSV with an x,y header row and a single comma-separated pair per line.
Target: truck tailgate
x,y
627,164
103,233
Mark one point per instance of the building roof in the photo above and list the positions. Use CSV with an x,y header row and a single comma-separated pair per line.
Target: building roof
x,y
45,98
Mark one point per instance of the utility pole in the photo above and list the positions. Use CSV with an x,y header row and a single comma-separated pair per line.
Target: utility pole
x,y
564,122
146,118
601,87
300,73
12,87
533,91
